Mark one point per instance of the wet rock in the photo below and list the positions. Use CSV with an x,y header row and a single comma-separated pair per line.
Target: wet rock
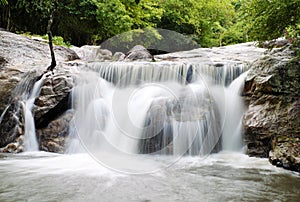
x,y
11,125
53,137
138,53
53,99
286,152
271,91
14,147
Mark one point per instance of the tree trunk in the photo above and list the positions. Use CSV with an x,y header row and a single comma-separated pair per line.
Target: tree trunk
x,y
53,61
8,18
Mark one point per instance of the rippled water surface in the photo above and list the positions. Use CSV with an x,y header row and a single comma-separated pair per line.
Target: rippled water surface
x,y
219,177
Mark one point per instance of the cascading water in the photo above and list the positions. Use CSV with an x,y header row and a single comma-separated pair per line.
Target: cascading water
x,y
234,111
31,143
159,108
124,74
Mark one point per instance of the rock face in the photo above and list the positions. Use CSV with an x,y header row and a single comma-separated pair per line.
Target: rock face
x,y
272,121
22,61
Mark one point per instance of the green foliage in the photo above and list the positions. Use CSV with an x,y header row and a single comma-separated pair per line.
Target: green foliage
x,y
57,40
208,22
75,21
270,19
118,16
204,20
3,2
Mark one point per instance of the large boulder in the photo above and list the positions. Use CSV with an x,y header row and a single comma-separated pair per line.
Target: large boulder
x,y
272,90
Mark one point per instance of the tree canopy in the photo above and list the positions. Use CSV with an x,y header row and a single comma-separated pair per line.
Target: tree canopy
x,y
208,22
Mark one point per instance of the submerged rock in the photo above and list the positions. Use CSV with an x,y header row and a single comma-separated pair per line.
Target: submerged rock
x,y
272,91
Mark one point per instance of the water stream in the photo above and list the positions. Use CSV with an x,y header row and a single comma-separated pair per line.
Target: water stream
x,y
31,143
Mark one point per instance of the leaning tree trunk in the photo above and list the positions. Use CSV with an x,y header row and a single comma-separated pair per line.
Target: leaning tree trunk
x,y
53,61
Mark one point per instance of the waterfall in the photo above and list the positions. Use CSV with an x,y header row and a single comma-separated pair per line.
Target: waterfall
x,y
234,111
231,110
124,74
31,143
159,108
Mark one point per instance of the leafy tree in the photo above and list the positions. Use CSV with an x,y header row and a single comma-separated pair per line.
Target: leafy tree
x,y
209,22
270,19
118,16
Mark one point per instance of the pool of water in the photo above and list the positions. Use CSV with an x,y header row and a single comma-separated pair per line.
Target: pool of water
x,y
225,176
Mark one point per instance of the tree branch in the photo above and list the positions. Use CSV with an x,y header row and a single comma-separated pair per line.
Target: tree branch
x,y
53,61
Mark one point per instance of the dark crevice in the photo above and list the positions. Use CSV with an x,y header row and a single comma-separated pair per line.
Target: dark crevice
x,y
157,52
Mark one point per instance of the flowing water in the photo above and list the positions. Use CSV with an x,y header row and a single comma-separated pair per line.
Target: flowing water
x,y
125,109
150,132
31,143
77,177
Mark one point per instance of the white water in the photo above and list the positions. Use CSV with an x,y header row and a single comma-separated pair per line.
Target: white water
x,y
134,73
152,109
31,143
234,111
